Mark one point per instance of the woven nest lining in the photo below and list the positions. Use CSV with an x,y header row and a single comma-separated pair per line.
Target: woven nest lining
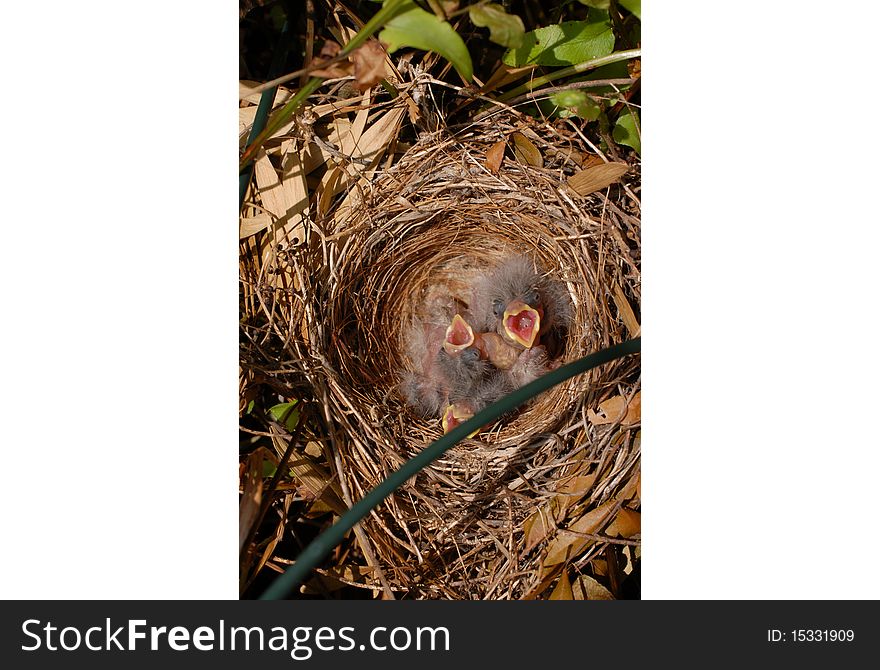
x,y
434,220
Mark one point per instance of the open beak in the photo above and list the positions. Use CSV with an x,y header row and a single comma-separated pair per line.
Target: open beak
x,y
459,335
455,415
522,323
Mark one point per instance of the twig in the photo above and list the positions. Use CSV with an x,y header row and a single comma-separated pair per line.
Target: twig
x,y
593,83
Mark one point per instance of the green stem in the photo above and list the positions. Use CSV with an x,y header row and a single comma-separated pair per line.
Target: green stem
x,y
326,541
580,68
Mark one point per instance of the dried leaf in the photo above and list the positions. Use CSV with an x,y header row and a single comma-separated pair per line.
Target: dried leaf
x,y
282,95
570,491
329,49
569,545
253,224
632,486
591,589
494,156
335,71
596,178
525,151
277,537
316,480
371,147
626,524
546,578
576,486
369,64
536,527
563,588
246,121
615,409
626,312
592,159
505,74
251,497
336,578
287,200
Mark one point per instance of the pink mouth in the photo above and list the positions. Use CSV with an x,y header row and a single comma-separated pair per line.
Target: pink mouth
x,y
454,416
522,323
459,335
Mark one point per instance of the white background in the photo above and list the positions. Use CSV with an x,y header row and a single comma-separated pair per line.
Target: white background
x,y
119,406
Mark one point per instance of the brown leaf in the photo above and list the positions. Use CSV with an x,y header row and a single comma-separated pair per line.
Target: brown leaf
x,y
251,497
334,71
563,588
279,535
590,589
369,64
525,151
626,312
336,578
570,491
615,409
569,545
494,156
597,177
576,486
626,524
329,49
504,75
546,578
592,160
252,225
315,478
536,527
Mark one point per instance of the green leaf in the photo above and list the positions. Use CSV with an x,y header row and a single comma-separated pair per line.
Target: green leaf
x,y
576,103
504,29
634,6
566,43
286,413
627,131
416,28
598,4
269,469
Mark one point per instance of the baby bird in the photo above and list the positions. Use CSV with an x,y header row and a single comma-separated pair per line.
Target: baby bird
x,y
451,373
468,357
520,303
482,392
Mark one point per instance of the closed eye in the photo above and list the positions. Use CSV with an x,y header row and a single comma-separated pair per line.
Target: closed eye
x,y
470,355
497,308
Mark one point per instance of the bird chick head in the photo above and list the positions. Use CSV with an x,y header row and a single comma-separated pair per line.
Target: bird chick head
x,y
518,314
510,300
520,322
459,335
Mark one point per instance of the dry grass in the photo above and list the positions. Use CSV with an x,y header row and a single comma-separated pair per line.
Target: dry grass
x,y
544,505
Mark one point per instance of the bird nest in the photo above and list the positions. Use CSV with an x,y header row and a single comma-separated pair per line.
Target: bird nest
x,y
545,501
